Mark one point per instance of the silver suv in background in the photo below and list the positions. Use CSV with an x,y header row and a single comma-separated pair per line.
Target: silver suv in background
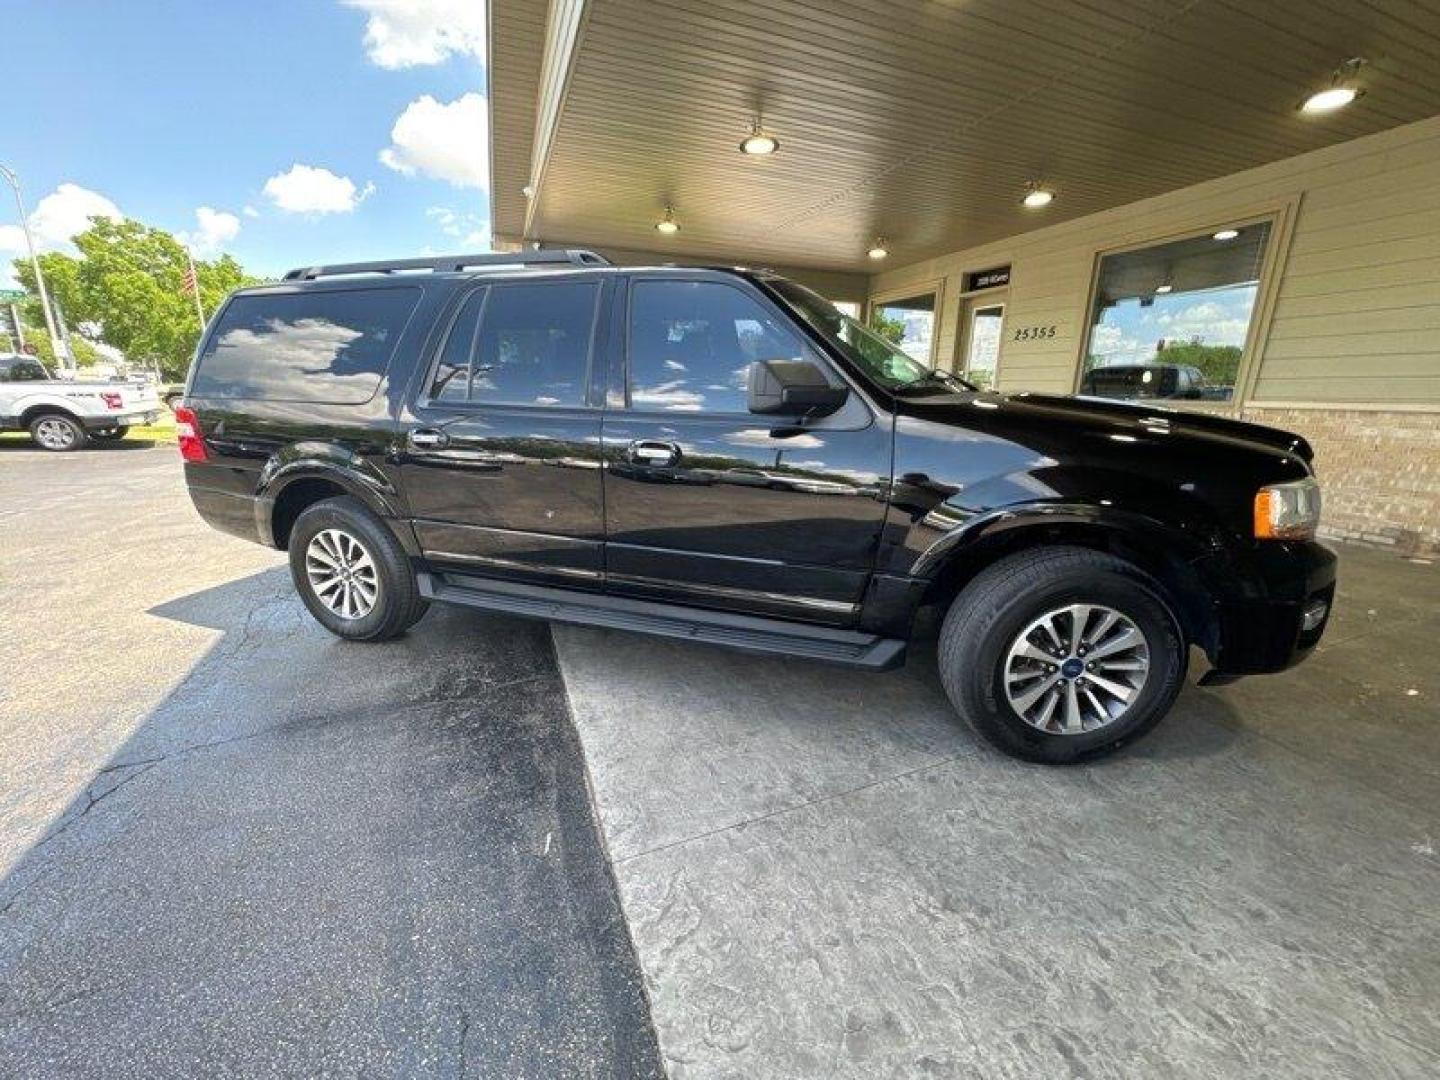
x,y
65,415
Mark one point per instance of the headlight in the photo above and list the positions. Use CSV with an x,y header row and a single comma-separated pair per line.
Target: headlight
x,y
1287,511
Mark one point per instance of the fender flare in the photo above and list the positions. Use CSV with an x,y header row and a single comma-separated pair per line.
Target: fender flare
x,y
1183,551
1185,544
322,461
25,416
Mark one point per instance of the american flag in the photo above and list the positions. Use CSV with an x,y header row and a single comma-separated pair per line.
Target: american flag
x,y
188,284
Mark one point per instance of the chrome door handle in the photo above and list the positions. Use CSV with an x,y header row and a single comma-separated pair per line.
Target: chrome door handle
x,y
654,452
428,439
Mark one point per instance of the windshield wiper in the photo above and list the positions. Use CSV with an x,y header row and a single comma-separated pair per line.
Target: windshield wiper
x,y
944,378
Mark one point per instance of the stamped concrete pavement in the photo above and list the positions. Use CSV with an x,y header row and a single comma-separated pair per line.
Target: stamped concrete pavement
x,y
826,875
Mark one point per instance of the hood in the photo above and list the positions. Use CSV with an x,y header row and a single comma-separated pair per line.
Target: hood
x,y
1116,418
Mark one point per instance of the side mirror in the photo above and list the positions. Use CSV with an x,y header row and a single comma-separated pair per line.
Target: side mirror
x,y
792,388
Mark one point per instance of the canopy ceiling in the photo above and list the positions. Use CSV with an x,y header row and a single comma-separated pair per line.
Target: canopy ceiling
x,y
917,120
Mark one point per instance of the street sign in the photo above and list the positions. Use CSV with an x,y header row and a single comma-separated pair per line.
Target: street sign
x,y
12,296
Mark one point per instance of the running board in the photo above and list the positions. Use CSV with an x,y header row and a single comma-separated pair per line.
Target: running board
x,y
748,633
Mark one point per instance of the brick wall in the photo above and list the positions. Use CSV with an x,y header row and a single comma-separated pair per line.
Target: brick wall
x,y
1380,473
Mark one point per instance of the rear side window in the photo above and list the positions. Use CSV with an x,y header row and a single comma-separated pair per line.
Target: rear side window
x,y
519,345
320,347
21,370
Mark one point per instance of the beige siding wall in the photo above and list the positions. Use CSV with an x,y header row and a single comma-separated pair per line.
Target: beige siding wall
x,y
833,284
1354,315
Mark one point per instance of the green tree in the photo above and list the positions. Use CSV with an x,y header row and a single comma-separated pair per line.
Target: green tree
x,y
1218,363
127,283
891,329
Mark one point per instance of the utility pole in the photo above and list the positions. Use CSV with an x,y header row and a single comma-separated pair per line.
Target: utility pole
x,y
61,353
194,283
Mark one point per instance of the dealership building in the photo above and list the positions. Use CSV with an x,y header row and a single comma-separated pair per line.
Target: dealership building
x,y
1206,205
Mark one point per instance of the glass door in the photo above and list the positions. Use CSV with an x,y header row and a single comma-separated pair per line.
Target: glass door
x,y
984,322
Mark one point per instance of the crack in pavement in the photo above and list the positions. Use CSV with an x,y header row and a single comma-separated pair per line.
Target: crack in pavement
x,y
144,765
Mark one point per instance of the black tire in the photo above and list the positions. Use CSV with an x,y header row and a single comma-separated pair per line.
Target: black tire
x,y
114,434
397,604
995,608
57,432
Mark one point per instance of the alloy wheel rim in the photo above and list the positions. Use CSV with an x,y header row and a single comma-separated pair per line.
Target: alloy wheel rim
x,y
342,574
54,434
1076,669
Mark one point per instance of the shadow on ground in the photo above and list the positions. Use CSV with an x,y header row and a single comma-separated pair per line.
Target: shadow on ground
x,y
321,857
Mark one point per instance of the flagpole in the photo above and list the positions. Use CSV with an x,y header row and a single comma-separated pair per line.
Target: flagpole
x,y
199,311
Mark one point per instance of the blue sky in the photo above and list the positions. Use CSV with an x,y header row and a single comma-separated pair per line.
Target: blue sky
x,y
160,109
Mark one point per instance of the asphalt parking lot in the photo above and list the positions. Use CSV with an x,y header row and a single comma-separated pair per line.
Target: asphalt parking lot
x,y
231,844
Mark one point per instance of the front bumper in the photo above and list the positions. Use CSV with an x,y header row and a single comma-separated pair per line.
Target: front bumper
x,y
1280,612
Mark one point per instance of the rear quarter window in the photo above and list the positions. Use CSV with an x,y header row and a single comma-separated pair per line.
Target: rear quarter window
x,y
328,348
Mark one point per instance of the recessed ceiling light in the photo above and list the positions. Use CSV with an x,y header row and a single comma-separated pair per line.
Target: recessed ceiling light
x,y
668,225
1341,91
1337,97
1038,196
878,250
1163,289
1226,234
759,142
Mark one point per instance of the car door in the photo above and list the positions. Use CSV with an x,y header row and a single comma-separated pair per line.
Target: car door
x,y
501,454
707,503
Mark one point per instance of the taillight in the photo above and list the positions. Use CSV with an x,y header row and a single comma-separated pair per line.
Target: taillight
x,y
111,399
187,432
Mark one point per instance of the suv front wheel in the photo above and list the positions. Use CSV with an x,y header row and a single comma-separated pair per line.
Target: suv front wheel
x,y
352,573
1058,654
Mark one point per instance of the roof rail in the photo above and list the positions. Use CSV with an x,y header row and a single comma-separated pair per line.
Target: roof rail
x,y
453,263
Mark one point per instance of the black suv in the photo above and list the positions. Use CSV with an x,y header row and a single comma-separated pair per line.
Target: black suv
x,y
723,456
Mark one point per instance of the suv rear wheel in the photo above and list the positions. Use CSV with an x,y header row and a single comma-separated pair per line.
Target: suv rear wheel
x,y
1059,654
56,431
352,573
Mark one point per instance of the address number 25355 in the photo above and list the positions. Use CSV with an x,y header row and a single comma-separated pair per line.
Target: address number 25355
x,y
1034,333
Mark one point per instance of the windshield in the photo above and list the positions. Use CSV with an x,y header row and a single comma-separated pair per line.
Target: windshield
x,y
882,361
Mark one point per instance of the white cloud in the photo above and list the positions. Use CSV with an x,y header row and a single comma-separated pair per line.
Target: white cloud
x,y
309,189
213,230
443,141
410,33
472,230
1111,345
761,437
250,211
58,217
1223,322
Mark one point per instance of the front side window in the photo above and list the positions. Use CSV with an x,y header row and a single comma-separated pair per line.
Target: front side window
x,y
909,323
522,344
881,361
1170,321
692,344
329,347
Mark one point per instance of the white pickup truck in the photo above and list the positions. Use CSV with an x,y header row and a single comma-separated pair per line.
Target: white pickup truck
x,y
63,415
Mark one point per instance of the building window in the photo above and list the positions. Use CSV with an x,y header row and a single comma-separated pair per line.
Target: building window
x,y
1170,321
909,323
